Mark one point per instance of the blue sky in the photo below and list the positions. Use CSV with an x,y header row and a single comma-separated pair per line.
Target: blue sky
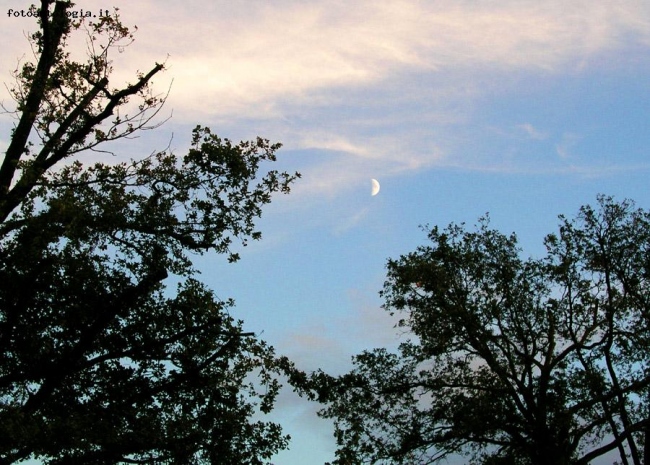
x,y
523,109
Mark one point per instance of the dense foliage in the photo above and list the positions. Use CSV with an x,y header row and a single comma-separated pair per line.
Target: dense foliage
x,y
101,359
510,360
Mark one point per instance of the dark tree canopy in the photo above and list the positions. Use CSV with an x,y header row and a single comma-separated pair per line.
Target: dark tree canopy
x,y
100,361
510,360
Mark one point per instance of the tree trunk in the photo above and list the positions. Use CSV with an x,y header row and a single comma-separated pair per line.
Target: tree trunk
x,y
645,460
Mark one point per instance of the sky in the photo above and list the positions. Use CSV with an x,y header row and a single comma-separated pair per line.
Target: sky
x,y
525,109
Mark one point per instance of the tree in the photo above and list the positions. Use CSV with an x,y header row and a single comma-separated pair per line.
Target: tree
x,y
100,361
511,360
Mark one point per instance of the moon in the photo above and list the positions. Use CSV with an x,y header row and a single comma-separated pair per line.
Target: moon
x,y
375,187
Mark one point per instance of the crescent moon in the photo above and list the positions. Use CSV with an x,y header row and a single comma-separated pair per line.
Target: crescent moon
x,y
375,187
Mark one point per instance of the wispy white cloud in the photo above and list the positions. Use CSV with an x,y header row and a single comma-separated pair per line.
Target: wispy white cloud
x,y
331,345
532,132
349,222
242,58
566,144
300,71
238,58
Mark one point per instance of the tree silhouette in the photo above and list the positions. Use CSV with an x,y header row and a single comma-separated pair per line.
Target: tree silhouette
x,y
101,361
509,360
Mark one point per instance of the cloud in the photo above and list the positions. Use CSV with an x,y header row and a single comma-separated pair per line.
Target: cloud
x,y
532,132
565,146
322,343
350,221
248,57
251,55
374,89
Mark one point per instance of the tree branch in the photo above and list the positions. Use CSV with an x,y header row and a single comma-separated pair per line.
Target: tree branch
x,y
69,363
44,161
53,32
